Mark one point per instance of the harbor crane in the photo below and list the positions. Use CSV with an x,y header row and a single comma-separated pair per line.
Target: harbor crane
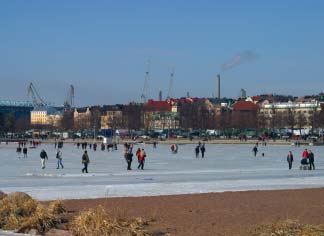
x,y
69,101
36,98
171,83
145,95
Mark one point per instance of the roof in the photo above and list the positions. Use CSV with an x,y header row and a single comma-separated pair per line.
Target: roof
x,y
244,106
15,103
256,98
157,106
48,110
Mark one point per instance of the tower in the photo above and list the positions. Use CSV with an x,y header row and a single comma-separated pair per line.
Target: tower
x,y
171,83
145,92
218,87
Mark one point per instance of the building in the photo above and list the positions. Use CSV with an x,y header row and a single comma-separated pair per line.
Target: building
x,y
161,115
111,117
21,110
82,118
45,116
297,115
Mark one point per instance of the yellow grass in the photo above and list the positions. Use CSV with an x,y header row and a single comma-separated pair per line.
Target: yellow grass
x,y
288,228
97,222
18,211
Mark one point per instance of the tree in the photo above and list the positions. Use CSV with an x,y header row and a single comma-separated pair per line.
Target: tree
x,y
95,119
21,124
132,117
291,119
301,121
66,122
9,122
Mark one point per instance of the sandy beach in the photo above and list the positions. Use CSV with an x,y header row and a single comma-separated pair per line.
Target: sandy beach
x,y
229,213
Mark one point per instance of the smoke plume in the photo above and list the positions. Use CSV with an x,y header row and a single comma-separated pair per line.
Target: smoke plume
x,y
240,58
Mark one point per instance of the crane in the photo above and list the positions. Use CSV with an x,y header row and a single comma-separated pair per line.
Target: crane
x,y
69,101
144,95
171,83
37,100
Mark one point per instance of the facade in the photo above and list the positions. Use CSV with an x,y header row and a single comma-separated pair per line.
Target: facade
x,y
82,118
111,117
300,114
21,110
45,116
161,115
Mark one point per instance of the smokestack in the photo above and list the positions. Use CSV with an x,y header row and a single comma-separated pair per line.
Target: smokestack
x,y
218,87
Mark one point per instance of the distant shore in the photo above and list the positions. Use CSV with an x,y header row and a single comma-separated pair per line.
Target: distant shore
x,y
180,141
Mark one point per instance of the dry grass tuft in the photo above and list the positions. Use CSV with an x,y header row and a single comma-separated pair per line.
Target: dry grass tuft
x,y
18,211
14,208
57,207
97,222
42,220
288,228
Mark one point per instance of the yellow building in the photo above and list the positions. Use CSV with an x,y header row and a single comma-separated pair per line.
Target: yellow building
x,y
82,118
45,116
111,117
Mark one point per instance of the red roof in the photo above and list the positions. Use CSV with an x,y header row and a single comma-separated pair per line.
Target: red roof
x,y
188,100
244,106
157,106
256,98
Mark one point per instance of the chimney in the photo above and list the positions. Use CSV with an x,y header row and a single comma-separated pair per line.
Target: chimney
x,y
218,87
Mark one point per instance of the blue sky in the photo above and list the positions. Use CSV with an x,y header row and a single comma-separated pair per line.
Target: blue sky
x,y
101,47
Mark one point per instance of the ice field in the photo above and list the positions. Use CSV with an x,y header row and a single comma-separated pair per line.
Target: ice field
x,y
224,168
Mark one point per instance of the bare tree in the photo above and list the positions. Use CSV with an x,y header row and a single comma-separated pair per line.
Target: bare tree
x,y
66,122
301,121
9,122
22,124
132,117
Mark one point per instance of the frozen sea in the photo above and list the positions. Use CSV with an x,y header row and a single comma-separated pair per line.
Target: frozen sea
x,y
224,168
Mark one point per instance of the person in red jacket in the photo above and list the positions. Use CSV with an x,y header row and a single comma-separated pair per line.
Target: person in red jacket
x,y
138,153
141,159
304,160
305,154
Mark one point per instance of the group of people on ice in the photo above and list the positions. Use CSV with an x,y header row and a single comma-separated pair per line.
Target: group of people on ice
x,y
200,148
128,155
307,161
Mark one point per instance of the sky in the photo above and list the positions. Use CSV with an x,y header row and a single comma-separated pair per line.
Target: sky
x,y
102,48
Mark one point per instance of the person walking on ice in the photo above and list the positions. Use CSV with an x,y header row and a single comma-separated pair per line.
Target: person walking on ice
x,y
25,152
18,150
141,159
202,150
85,161
197,150
59,159
255,150
290,159
311,160
43,156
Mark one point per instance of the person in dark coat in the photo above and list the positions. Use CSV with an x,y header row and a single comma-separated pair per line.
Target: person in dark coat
x,y
311,160
255,150
129,157
43,156
25,150
85,161
18,150
202,150
290,159
197,151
